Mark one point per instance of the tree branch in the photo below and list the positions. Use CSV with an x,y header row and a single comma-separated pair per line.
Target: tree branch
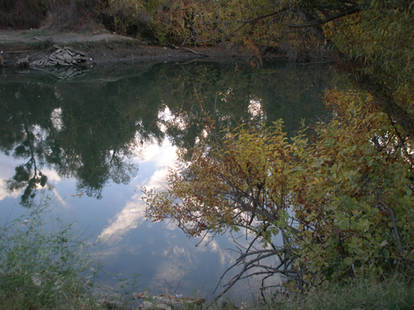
x,y
258,18
327,20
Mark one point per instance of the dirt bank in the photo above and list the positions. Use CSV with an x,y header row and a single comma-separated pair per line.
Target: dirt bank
x,y
103,47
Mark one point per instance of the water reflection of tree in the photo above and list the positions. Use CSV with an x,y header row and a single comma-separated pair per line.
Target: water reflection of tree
x,y
88,129
23,138
93,142
207,98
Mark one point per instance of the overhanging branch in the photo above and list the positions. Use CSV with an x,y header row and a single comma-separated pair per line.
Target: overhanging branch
x,y
258,18
327,20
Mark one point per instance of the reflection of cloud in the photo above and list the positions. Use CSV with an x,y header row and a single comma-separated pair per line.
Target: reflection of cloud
x,y
131,216
255,108
164,154
58,197
169,272
210,244
7,164
158,179
171,225
56,118
51,175
172,270
166,117
5,192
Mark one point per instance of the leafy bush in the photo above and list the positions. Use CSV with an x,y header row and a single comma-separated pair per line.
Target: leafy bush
x,y
40,269
328,205
355,201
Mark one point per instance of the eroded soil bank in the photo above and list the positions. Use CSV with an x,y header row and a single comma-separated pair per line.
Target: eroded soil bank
x,y
106,48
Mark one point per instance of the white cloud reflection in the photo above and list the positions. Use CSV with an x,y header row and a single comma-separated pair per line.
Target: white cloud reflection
x,y
5,192
173,269
57,196
163,156
56,118
51,175
255,108
208,243
130,217
166,117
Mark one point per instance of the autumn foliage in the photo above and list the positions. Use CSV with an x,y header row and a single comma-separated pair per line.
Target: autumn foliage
x,y
332,203
355,203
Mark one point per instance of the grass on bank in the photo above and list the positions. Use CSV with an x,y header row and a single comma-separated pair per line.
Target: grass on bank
x,y
396,293
41,269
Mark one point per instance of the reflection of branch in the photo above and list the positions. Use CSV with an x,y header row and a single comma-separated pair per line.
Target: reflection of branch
x,y
203,238
251,260
24,175
32,155
113,157
260,255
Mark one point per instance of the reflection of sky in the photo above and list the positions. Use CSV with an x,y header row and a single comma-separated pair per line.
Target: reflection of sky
x,y
172,260
127,243
56,118
255,108
7,164
161,157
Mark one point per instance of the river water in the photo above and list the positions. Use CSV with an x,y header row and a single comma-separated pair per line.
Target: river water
x,y
95,139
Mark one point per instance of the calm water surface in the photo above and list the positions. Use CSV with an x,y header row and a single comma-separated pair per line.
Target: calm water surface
x,y
87,145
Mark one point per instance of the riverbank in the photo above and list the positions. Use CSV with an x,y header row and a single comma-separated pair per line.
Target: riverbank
x,y
107,48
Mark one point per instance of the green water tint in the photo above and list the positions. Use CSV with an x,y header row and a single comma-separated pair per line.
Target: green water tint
x,y
109,131
87,126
